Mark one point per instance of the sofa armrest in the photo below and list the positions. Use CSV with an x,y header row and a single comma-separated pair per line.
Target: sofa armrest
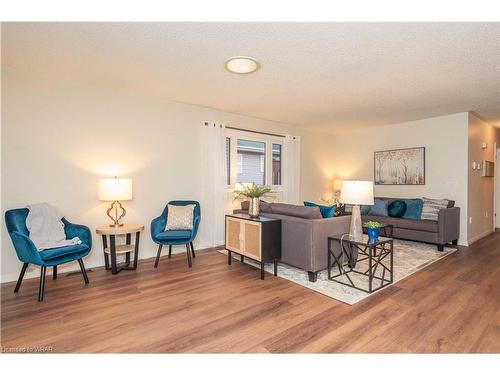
x,y
448,224
322,229
25,249
157,226
77,230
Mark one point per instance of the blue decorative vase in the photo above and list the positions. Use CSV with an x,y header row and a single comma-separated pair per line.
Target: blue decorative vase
x,y
373,234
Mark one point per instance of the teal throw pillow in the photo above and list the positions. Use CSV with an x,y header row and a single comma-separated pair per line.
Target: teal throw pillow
x,y
413,209
326,211
380,208
396,208
364,209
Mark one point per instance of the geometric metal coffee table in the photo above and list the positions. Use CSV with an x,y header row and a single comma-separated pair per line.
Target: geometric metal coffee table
x,y
372,260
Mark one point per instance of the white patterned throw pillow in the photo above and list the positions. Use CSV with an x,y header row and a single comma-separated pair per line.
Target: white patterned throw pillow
x,y
180,217
431,208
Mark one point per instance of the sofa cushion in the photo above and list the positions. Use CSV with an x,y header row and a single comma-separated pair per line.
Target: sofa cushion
x,y
326,211
396,208
57,252
413,224
379,208
297,211
174,235
431,208
264,206
420,225
413,208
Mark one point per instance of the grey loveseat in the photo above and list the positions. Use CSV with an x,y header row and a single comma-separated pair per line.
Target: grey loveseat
x,y
441,232
304,234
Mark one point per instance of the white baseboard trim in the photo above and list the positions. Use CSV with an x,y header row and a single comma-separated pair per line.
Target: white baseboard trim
x,y
479,236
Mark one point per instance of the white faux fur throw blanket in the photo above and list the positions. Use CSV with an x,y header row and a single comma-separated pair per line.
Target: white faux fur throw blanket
x,y
46,228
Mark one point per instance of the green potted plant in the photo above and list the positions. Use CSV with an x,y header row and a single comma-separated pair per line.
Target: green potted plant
x,y
373,230
253,192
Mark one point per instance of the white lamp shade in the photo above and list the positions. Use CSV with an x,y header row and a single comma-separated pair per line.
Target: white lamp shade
x,y
357,192
115,189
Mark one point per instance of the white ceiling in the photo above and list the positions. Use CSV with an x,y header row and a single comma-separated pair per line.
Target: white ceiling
x,y
324,76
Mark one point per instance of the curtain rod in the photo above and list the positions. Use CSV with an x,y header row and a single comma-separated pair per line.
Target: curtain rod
x,y
255,131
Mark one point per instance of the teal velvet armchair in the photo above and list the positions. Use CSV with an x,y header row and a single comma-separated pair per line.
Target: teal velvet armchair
x,y
28,254
175,237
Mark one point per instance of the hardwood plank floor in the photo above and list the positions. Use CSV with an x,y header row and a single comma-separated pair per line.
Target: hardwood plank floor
x,y
451,306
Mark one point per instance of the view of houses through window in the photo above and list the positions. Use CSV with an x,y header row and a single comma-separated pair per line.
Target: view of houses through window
x,y
254,157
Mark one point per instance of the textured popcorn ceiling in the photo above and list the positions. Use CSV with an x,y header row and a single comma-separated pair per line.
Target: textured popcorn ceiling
x,y
324,76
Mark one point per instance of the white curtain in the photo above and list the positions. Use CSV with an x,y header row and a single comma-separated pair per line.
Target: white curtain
x,y
213,182
291,169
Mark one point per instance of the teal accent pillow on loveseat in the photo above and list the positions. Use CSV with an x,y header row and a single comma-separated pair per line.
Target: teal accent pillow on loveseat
x,y
379,208
413,208
326,211
397,208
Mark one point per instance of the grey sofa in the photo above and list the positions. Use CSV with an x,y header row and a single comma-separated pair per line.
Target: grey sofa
x,y
441,232
304,234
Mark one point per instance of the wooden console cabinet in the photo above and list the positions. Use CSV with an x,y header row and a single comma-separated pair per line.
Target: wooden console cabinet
x,y
256,238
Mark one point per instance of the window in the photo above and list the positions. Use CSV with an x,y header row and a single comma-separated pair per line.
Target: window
x,y
276,164
252,156
240,163
228,160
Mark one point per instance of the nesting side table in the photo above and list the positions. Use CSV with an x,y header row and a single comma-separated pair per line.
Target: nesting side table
x,y
113,249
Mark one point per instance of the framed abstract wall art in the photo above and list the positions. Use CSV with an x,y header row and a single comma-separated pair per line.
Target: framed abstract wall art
x,y
404,166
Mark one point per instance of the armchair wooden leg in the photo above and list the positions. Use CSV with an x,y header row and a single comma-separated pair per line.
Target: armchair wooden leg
x,y
192,249
21,276
42,284
84,273
54,273
188,251
169,251
158,256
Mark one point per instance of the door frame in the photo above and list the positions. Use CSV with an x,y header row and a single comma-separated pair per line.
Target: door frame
x,y
496,187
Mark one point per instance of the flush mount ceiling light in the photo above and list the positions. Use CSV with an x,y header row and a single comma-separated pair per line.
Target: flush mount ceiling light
x,y
242,64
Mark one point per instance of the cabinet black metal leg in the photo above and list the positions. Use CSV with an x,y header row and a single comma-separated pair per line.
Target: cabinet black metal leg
x,y
169,251
188,251
440,247
114,269
21,276
192,249
158,255
54,273
41,288
84,272
276,267
262,270
242,259
454,242
229,256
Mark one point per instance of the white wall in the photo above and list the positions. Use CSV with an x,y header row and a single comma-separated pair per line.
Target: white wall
x,y
59,137
445,142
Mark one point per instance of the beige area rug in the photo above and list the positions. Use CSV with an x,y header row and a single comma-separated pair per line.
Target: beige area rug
x,y
409,257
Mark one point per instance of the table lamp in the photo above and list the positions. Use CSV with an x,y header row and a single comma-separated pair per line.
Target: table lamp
x,y
115,190
356,193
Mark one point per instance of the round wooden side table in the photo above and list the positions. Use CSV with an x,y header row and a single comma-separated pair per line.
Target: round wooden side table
x,y
113,249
